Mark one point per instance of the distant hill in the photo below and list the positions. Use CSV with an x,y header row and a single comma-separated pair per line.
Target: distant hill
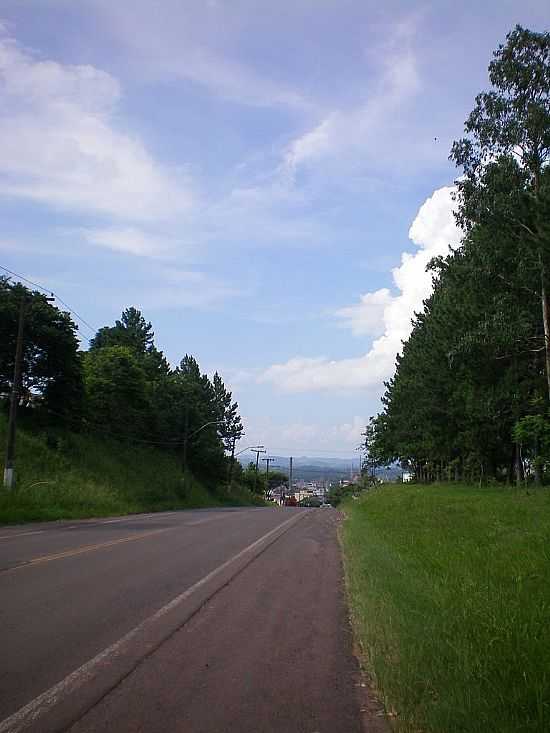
x,y
311,468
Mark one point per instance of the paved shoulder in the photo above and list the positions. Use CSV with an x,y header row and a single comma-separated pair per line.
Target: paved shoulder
x,y
272,651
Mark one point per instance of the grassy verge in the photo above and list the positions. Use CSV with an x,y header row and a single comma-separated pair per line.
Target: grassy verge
x,y
84,476
450,592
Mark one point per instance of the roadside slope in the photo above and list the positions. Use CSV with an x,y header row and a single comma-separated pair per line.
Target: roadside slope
x,y
77,475
450,588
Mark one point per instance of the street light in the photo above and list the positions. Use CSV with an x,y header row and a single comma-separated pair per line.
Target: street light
x,y
234,455
250,447
185,439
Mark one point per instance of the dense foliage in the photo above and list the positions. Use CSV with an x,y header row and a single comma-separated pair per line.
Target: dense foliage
x,y
471,389
51,365
121,388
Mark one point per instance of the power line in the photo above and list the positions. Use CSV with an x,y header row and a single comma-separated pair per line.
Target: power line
x,y
51,292
98,429
26,279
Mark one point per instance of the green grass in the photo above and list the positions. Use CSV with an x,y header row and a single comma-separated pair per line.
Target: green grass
x,y
450,594
84,476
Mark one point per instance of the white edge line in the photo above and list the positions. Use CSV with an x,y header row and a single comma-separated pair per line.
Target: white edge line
x,y
30,712
21,534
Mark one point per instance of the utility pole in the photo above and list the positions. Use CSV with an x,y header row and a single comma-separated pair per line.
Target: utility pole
x,y
232,461
185,439
257,451
267,462
290,477
9,469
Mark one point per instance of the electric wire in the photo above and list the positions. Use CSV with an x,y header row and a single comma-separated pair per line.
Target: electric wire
x,y
53,294
102,431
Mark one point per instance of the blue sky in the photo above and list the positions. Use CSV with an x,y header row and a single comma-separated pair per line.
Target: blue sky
x,y
266,181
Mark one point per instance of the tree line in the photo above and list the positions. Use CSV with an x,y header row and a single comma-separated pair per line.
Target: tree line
x,y
470,394
121,388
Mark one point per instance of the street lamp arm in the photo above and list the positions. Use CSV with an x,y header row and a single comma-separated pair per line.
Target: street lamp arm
x,y
248,448
206,424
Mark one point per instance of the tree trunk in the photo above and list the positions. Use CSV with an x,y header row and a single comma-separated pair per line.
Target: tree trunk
x,y
518,466
546,322
538,463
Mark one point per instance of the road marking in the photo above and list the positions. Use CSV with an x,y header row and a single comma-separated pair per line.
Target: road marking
x,y
82,550
20,534
134,517
115,521
204,521
87,523
75,680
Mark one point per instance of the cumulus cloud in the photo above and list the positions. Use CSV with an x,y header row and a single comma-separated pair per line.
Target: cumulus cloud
x,y
60,144
366,318
433,231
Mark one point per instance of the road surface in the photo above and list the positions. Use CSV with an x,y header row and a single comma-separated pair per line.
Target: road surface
x,y
201,621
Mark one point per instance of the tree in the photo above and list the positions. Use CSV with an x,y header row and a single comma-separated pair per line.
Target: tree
x,y
276,478
230,427
254,482
134,332
117,398
511,124
206,450
373,446
471,387
51,366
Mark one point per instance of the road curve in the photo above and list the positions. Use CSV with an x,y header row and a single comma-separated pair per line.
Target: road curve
x,y
206,620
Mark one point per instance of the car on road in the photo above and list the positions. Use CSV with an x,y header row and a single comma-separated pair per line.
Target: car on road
x,y
325,505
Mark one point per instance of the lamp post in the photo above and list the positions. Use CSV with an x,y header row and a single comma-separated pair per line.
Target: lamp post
x,y
234,455
250,447
186,438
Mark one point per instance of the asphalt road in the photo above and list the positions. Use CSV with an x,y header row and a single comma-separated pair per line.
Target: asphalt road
x,y
200,621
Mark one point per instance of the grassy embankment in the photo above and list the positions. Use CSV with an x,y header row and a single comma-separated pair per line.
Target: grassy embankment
x,y
88,477
450,593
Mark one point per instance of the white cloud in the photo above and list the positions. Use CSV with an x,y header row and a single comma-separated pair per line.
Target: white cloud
x,y
305,438
367,316
197,42
60,145
377,130
433,230
130,240
314,143
178,288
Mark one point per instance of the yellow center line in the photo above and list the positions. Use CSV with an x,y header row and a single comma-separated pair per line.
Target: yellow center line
x,y
82,550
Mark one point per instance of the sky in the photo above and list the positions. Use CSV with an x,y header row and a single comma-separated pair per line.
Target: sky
x,y
265,181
